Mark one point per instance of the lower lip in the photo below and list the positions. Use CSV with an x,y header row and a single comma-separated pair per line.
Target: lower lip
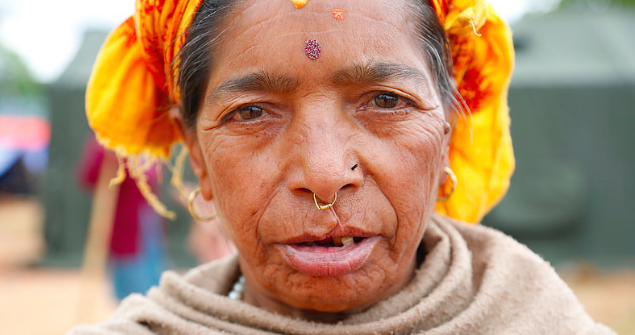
x,y
328,261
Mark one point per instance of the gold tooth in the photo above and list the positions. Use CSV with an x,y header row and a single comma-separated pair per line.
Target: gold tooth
x,y
348,241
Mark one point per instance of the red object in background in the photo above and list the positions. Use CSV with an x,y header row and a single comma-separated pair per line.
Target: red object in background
x,y
25,133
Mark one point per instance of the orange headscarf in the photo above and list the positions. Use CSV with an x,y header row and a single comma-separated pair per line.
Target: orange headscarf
x,y
132,88
481,153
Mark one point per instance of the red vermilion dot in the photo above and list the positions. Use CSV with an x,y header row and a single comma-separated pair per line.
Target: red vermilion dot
x,y
338,13
312,49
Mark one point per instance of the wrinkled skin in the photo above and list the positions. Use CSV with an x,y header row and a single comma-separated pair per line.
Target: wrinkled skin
x,y
260,152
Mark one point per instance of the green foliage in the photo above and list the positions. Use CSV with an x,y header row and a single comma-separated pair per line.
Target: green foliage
x,y
15,78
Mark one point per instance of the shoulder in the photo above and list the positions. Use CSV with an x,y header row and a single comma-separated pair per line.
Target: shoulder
x,y
498,259
517,287
490,245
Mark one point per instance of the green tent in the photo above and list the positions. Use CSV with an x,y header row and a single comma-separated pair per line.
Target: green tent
x,y
572,101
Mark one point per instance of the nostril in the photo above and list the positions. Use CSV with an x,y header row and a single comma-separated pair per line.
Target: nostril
x,y
347,186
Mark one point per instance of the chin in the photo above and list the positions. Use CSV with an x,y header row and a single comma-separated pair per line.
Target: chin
x,y
340,295
336,305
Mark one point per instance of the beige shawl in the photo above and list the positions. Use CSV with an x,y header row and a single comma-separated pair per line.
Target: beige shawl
x,y
474,280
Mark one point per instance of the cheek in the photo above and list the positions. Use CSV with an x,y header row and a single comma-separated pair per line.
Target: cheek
x,y
410,160
239,184
407,168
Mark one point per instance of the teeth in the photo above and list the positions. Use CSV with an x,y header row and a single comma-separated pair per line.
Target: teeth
x,y
348,241
337,240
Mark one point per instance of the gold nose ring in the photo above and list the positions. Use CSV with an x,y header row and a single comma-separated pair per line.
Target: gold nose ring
x,y
323,207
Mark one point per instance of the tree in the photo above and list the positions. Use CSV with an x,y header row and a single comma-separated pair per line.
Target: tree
x,y
15,78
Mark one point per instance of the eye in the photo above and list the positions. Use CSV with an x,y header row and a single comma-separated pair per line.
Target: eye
x,y
386,100
389,101
246,113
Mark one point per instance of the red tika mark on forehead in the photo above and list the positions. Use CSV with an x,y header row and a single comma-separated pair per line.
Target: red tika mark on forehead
x,y
312,49
338,13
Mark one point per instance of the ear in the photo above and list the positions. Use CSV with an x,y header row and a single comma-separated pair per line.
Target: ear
x,y
197,161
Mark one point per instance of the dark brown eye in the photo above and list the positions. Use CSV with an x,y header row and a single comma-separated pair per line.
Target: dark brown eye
x,y
250,113
386,100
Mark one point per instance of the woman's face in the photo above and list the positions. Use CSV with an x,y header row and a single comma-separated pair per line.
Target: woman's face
x,y
364,120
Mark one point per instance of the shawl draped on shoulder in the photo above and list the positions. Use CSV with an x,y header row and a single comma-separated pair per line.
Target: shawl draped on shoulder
x,y
474,280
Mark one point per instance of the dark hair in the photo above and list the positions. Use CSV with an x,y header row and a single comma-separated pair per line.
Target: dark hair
x,y
437,47
196,58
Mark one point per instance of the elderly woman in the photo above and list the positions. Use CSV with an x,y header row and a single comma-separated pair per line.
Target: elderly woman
x,y
328,134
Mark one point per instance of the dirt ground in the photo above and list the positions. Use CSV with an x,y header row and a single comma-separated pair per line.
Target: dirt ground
x,y
39,300
50,301
609,297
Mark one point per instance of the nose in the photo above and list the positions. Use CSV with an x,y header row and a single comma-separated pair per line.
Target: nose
x,y
323,158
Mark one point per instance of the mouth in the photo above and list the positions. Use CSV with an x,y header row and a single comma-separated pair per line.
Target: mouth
x,y
336,241
329,257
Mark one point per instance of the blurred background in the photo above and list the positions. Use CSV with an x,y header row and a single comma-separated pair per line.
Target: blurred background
x,y
572,198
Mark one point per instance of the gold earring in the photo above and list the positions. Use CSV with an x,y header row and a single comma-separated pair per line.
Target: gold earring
x,y
324,206
452,176
190,206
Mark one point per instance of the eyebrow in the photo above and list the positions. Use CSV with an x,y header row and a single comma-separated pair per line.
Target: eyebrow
x,y
255,82
356,74
378,72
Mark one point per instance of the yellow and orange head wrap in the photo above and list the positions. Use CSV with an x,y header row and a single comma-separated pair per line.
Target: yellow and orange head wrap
x,y
481,152
132,89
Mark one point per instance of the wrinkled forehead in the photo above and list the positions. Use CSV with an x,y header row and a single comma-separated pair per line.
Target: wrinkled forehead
x,y
396,12
357,29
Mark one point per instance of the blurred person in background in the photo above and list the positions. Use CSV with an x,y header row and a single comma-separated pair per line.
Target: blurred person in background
x,y
137,243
